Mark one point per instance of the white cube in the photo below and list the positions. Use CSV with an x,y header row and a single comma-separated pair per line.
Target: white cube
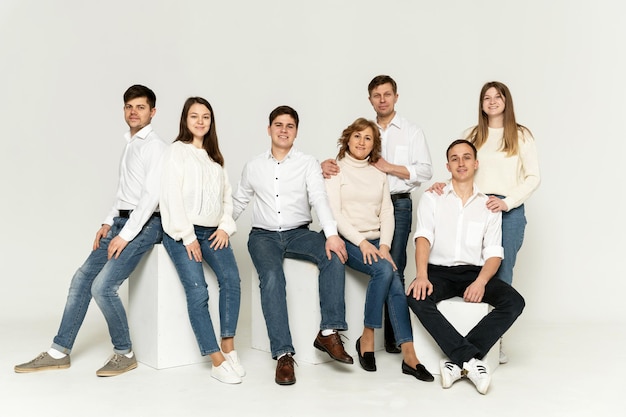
x,y
157,313
303,307
463,316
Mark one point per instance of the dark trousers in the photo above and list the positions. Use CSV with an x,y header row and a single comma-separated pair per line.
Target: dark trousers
x,y
449,282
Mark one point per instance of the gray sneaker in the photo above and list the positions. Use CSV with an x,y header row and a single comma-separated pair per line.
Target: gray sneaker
x,y
117,364
43,362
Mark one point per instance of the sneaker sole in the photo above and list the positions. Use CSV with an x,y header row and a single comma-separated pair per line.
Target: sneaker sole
x,y
115,373
41,368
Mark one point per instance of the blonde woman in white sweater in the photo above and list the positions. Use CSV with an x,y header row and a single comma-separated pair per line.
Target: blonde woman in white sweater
x,y
361,203
196,210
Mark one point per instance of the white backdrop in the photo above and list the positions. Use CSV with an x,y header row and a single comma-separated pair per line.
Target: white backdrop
x,y
65,64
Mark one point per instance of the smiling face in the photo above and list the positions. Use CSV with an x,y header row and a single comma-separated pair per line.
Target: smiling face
x,y
198,122
494,103
138,114
283,132
383,99
361,143
462,162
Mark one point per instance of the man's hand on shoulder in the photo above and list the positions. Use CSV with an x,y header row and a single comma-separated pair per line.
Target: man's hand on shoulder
x,y
382,165
102,232
336,244
329,168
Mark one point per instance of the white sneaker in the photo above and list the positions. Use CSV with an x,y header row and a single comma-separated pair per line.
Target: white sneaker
x,y
478,372
233,360
225,373
503,358
450,373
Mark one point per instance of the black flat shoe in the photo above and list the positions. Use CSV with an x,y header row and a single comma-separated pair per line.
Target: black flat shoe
x,y
420,372
367,360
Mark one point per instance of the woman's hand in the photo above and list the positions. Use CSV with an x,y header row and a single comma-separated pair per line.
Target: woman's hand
x,y
193,251
369,251
495,204
385,254
220,239
437,188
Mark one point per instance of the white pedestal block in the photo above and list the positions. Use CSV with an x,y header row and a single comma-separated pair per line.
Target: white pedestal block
x,y
157,313
304,311
463,316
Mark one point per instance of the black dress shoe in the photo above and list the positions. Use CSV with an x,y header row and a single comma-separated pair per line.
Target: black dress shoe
x,y
367,360
390,347
420,372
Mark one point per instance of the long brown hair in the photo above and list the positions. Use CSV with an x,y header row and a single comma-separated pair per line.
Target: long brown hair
x,y
360,125
478,135
209,142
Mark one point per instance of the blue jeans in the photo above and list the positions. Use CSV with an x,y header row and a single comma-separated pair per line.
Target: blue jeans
x,y
101,278
384,286
513,226
191,275
449,282
403,215
268,250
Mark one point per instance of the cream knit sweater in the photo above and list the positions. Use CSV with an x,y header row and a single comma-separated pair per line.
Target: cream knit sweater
x,y
194,191
361,203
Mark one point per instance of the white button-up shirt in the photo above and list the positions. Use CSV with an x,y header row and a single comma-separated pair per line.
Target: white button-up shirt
x,y
139,184
459,234
285,191
403,143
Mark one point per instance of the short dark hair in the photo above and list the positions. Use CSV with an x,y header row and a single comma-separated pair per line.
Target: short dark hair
x,y
137,91
280,110
380,80
460,141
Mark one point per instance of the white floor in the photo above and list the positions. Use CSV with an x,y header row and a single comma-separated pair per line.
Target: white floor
x,y
564,370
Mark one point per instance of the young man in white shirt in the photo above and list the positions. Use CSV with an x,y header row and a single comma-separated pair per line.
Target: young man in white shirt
x,y
406,161
284,184
132,227
458,249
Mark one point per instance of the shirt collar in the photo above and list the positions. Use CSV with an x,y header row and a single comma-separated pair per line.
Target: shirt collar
x,y
448,189
142,134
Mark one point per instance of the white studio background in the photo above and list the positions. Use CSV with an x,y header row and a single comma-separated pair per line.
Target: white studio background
x,y
65,64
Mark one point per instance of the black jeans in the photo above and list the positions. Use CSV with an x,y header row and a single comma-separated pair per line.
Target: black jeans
x,y
449,282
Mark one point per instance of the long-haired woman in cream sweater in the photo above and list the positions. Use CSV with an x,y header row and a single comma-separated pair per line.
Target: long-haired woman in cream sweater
x,y
508,172
361,203
196,209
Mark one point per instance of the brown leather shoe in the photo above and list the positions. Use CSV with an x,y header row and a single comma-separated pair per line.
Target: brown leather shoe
x,y
285,374
333,345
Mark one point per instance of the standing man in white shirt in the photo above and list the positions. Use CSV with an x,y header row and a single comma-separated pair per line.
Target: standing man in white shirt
x,y
458,249
131,229
406,161
285,183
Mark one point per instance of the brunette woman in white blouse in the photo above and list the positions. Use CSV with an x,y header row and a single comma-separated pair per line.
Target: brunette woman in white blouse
x,y
196,210
361,203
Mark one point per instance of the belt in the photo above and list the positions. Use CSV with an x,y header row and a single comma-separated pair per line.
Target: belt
x,y
125,214
304,226
398,196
